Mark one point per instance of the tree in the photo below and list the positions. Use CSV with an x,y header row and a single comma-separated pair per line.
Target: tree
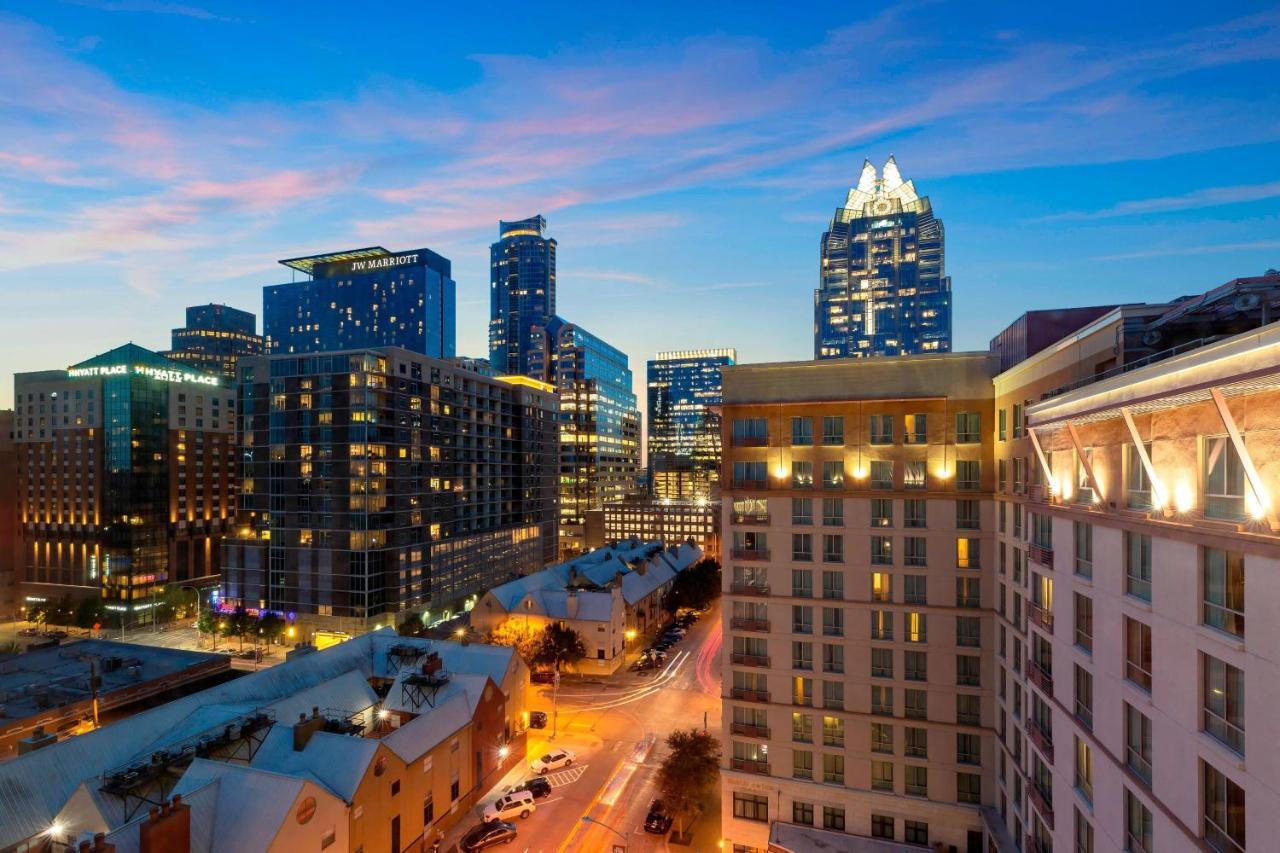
x,y
271,627
688,772
559,645
695,587
513,633
237,624
208,622
89,612
38,611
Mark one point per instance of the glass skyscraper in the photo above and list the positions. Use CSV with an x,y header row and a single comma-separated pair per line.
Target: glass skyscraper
x,y
684,429
363,298
214,337
599,422
522,291
883,290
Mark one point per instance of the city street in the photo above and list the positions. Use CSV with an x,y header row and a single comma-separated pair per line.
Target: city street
x,y
616,728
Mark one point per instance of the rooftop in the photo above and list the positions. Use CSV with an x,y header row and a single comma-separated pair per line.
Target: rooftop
x,y
308,263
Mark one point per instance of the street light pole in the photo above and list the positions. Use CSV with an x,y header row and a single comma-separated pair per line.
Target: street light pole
x,y
589,819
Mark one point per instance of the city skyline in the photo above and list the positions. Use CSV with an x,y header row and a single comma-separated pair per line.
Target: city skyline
x,y
175,179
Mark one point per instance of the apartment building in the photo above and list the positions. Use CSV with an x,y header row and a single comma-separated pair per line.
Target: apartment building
x,y
859,550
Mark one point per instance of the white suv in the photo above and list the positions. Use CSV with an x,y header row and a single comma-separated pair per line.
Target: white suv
x,y
508,806
553,760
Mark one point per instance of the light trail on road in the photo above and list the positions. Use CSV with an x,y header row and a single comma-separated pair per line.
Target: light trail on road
x,y
709,680
659,682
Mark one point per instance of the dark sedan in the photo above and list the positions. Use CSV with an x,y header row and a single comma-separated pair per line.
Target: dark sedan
x,y
488,835
657,821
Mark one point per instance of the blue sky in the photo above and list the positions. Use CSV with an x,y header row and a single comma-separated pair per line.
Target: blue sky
x,y
155,155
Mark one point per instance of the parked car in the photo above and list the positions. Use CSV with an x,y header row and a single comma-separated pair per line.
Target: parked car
x,y
508,806
553,760
536,785
537,719
657,821
29,632
487,835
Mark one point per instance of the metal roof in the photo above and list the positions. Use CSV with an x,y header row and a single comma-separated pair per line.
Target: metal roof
x,y
308,263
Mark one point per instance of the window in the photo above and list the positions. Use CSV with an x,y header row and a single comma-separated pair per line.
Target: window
x,y
881,624
1084,549
916,832
801,619
968,592
968,788
881,550
967,515
833,773
882,700
802,546
1224,480
833,430
917,429
801,728
968,671
968,428
914,513
1084,483
802,813
1137,483
832,548
833,731
882,775
1224,590
914,551
802,691
916,781
968,631
915,742
916,704
915,589
882,826
801,474
833,584
882,738
832,475
881,586
1084,622
750,432
1223,812
881,429
833,621
1137,653
749,474
802,583
1084,696
1084,833
915,666
968,710
801,655
1137,742
802,511
1137,824
801,764
881,474
832,512
968,477
968,553
914,475
915,627
802,431
1137,565
751,807
1223,702
968,749
881,512
428,810
1001,425
1084,769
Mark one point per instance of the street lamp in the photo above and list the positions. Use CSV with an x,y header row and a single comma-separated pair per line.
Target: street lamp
x,y
589,819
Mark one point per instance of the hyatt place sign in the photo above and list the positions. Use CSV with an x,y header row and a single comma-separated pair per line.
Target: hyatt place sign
x,y
160,374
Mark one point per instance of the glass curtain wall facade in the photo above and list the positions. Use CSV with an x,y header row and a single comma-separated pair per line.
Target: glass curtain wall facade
x,y
368,298
883,289
522,291
684,428
214,337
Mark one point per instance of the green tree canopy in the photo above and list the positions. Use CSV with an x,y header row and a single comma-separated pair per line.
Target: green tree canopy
x,y
557,646
688,772
696,587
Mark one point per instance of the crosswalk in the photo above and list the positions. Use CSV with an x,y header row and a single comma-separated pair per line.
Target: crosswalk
x,y
566,776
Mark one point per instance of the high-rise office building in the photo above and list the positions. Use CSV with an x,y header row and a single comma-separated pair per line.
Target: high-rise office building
x,y
9,516
599,422
684,425
363,298
379,481
883,290
214,337
125,477
522,291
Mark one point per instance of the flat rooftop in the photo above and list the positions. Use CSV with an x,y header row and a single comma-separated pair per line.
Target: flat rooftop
x,y
43,680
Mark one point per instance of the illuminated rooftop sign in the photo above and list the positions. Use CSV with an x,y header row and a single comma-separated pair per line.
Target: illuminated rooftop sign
x,y
160,374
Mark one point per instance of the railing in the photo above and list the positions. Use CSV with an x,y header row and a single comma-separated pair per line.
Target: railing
x,y
738,624
749,730
1041,739
744,695
1041,616
1041,802
749,485
749,441
761,589
751,518
1039,676
1038,493
750,765
750,553
1041,554
741,659
1133,365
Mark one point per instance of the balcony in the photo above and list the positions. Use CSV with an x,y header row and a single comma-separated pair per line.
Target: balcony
x,y
1040,616
740,659
749,730
741,518
1041,555
745,695
1038,494
749,765
749,624
760,589
1041,802
1041,739
750,553
1039,676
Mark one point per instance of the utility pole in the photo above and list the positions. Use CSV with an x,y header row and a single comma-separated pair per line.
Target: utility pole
x,y
555,687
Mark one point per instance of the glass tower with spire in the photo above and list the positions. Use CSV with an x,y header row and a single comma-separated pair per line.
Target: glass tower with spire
x,y
522,291
882,289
